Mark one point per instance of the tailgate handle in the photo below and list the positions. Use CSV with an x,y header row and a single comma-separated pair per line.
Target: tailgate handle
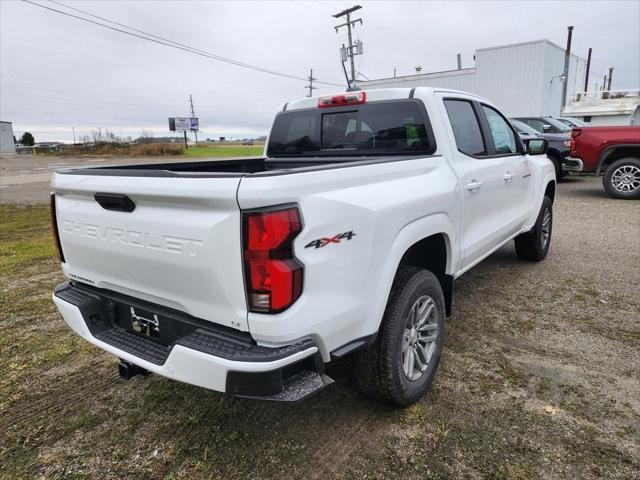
x,y
115,201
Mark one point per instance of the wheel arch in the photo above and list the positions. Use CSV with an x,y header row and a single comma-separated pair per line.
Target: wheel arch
x,y
616,152
432,253
550,190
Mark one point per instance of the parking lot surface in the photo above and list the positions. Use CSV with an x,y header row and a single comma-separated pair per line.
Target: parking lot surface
x,y
26,178
540,378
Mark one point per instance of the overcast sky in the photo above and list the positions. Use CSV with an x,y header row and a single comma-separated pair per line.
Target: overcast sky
x,y
57,72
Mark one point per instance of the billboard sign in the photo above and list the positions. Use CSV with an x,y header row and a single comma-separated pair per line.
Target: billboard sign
x,y
184,124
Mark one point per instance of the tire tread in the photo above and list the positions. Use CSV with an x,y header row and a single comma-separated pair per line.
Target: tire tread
x,y
373,366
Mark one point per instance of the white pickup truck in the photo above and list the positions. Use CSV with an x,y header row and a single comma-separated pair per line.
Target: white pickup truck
x,y
249,276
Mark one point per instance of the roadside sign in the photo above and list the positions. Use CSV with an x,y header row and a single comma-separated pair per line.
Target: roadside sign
x,y
184,124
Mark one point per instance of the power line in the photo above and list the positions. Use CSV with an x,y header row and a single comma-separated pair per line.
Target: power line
x,y
324,3
171,43
309,7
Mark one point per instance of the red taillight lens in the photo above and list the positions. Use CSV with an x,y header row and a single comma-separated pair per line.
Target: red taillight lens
x,y
54,226
343,99
575,132
273,276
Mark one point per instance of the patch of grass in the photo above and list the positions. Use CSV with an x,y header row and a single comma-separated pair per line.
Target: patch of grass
x,y
224,151
626,430
18,254
19,221
25,237
514,375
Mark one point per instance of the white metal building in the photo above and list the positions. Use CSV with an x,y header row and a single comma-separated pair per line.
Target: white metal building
x,y
616,107
523,79
6,138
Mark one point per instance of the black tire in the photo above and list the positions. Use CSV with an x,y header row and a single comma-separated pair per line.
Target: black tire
x,y
622,179
533,245
379,369
557,164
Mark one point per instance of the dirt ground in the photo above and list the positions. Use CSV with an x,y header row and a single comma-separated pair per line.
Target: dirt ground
x,y
540,379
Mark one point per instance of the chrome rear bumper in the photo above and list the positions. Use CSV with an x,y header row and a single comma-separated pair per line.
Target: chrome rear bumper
x,y
570,164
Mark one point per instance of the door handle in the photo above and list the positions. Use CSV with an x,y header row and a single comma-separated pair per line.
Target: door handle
x,y
474,185
508,176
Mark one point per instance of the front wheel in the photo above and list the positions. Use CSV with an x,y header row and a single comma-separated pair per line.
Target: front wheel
x,y
534,244
557,165
622,179
399,367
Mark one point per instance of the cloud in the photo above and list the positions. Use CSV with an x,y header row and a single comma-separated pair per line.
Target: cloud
x,y
57,72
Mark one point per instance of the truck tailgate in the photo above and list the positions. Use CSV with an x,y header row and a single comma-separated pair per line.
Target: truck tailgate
x,y
180,246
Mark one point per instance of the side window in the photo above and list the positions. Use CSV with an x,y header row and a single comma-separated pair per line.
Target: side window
x,y
504,139
537,125
466,128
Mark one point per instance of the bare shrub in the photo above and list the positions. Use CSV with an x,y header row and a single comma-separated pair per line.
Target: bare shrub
x,y
156,149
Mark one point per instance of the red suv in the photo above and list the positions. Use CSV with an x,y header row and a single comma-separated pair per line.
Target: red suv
x,y
614,151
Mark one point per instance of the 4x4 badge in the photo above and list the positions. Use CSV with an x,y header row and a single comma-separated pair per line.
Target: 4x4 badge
x,y
324,241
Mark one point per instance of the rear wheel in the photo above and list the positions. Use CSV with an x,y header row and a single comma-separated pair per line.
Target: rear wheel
x,y
402,363
622,179
534,245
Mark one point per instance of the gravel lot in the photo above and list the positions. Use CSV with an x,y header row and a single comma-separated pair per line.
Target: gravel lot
x,y
540,378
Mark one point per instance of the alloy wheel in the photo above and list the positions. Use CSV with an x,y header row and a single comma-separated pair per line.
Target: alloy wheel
x,y
419,338
626,178
545,231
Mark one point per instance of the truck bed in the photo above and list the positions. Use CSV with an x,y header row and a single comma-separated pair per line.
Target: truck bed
x,y
232,168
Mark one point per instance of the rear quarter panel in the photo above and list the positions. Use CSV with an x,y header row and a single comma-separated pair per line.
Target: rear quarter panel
x,y
388,206
593,141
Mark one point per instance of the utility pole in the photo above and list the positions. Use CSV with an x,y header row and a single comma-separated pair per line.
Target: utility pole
x,y
567,57
586,77
350,49
310,86
193,115
73,129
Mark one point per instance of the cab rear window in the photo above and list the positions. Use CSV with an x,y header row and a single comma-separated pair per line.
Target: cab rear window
x,y
377,128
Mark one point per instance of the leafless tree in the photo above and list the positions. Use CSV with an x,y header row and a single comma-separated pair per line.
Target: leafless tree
x,y
146,136
97,135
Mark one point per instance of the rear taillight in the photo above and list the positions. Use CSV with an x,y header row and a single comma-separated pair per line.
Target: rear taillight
x,y
273,276
575,132
54,226
342,100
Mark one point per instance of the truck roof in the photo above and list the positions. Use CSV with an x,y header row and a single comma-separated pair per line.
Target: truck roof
x,y
375,94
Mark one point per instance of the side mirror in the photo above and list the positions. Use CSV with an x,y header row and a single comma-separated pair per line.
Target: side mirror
x,y
536,146
546,127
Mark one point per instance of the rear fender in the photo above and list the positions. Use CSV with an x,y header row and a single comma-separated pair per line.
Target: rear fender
x,y
408,236
613,149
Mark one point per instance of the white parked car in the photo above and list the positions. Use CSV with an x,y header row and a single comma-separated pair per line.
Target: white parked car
x,y
249,276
